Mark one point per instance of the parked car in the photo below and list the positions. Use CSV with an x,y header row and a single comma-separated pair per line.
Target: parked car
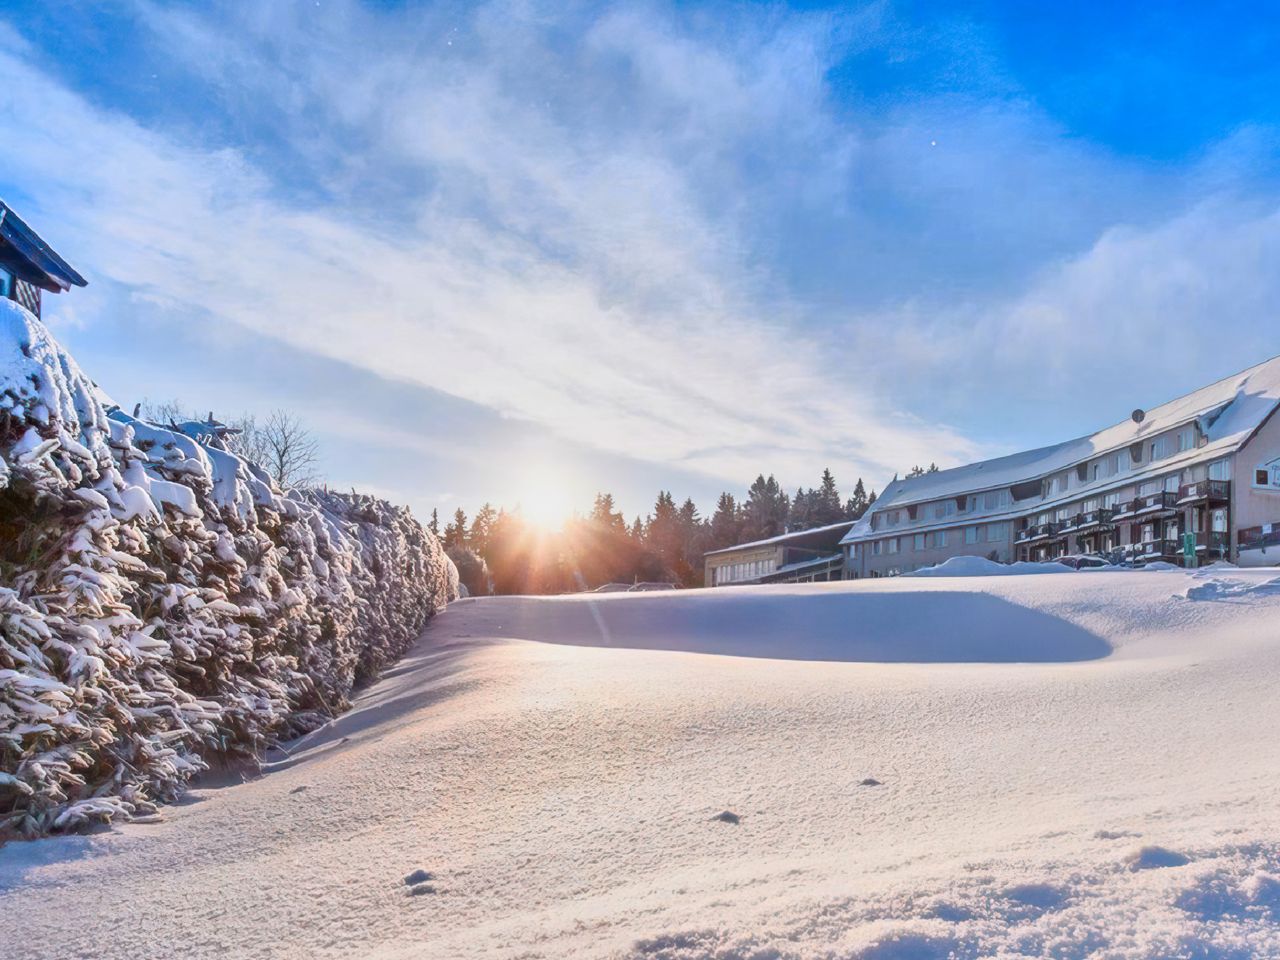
x,y
1086,561
646,586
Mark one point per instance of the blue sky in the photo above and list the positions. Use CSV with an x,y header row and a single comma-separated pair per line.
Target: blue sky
x,y
488,250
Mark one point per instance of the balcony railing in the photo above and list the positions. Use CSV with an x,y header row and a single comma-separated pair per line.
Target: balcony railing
x,y
1157,550
1210,491
1038,531
1088,521
1161,502
1213,543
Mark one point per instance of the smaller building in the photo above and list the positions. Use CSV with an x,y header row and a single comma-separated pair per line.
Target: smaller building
x,y
804,556
28,265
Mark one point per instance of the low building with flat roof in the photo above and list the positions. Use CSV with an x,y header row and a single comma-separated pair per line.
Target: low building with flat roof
x,y
1190,481
801,556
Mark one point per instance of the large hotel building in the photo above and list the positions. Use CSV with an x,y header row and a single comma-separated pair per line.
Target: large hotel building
x,y
1207,464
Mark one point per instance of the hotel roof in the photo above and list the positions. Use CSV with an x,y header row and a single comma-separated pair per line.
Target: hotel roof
x,y
1228,413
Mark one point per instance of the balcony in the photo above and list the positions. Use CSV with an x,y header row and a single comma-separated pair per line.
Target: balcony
x,y
1204,491
1040,531
1212,544
1151,550
1092,520
1156,504
1125,511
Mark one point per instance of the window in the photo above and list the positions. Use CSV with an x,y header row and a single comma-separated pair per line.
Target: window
x,y
940,538
1148,488
1089,505
1148,533
918,542
875,548
995,499
1218,521
6,283
970,534
1111,499
1160,448
1220,470
1186,439
1064,513
1095,470
1267,475
892,518
997,531
1171,483
892,544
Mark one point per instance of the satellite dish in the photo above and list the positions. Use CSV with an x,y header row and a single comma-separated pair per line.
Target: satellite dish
x,y
1138,415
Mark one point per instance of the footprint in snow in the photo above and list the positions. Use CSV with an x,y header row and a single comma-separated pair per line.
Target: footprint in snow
x,y
870,782
727,816
419,883
1152,858
298,789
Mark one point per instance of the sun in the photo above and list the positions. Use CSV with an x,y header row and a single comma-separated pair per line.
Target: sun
x,y
545,497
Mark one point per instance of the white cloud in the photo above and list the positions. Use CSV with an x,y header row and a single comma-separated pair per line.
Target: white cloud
x,y
576,223
570,276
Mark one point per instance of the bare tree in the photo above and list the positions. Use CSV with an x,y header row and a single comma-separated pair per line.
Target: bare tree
x,y
163,412
281,445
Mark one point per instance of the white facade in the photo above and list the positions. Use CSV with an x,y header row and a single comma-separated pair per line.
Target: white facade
x,y
1207,464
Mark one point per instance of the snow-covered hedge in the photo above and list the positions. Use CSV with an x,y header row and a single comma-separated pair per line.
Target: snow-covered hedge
x,y
163,605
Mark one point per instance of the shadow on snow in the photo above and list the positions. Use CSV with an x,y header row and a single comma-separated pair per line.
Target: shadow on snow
x,y
888,627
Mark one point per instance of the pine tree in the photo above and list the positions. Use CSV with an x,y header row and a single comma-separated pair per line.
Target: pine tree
x,y
434,525
726,524
857,504
827,508
604,516
766,509
455,532
481,528
806,510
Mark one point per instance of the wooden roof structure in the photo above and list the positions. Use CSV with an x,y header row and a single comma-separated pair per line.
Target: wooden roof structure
x,y
26,255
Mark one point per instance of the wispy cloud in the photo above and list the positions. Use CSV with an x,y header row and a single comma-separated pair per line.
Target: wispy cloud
x,y
649,230
564,266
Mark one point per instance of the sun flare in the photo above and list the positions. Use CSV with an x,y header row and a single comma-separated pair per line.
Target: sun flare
x,y
546,498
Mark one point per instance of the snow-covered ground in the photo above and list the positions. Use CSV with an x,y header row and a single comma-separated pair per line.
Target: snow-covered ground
x,y
1068,766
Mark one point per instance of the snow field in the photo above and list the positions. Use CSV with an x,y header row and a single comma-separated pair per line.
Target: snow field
x,y
562,789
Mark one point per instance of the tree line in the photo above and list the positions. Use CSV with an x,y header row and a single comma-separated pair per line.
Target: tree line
x,y
499,550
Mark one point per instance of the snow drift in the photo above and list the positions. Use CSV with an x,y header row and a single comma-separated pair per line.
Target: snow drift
x,y
163,604
505,795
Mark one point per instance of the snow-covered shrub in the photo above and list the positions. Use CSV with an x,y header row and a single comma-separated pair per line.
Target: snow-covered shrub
x,y
163,605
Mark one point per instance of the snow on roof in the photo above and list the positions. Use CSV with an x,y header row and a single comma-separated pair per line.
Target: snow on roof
x,y
783,537
1228,412
802,564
